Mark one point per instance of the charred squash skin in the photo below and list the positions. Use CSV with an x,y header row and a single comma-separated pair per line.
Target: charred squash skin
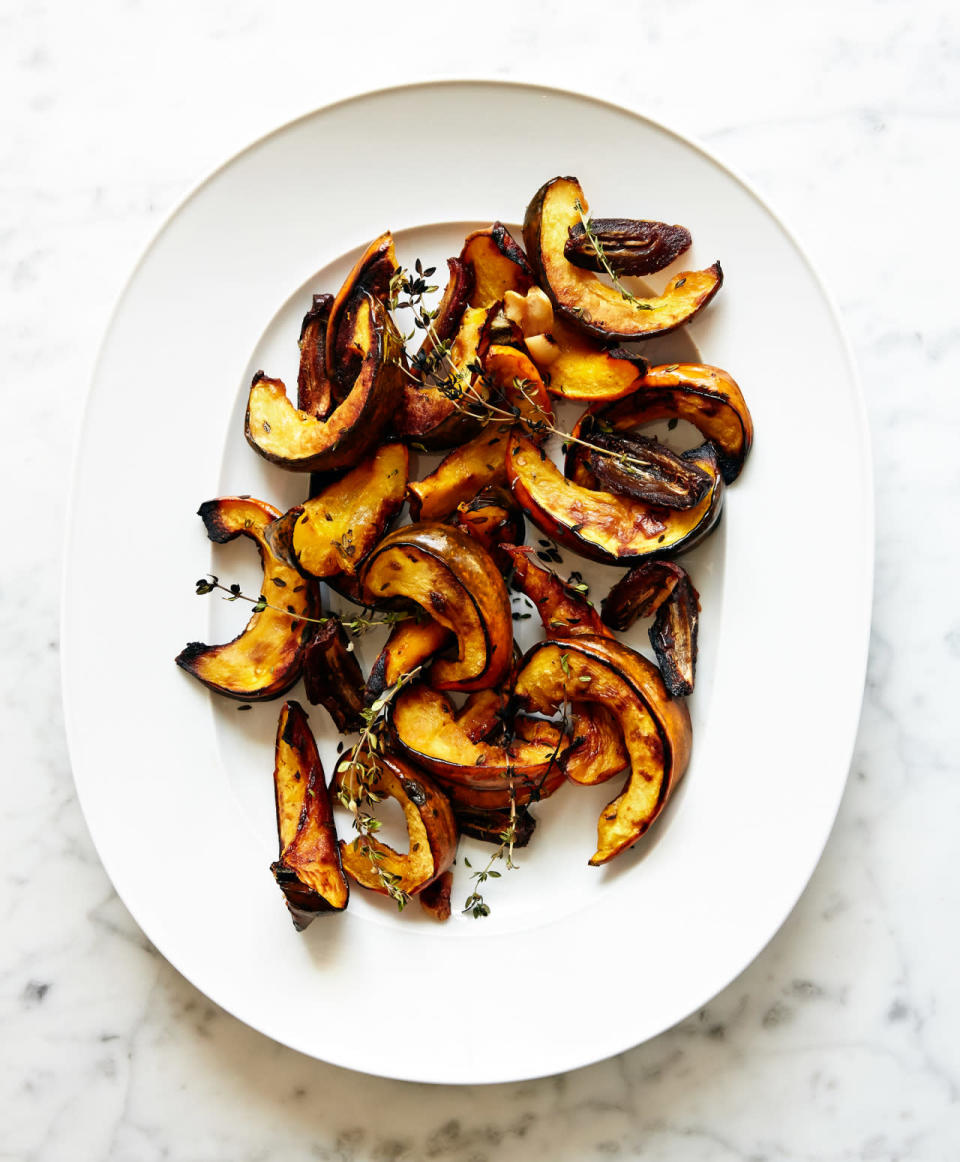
x,y
314,389
267,657
580,296
707,397
673,636
430,825
655,728
308,869
297,440
455,300
336,529
454,580
371,275
474,773
601,525
496,263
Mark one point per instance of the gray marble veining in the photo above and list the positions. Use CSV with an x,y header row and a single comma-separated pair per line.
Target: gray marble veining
x,y
841,1041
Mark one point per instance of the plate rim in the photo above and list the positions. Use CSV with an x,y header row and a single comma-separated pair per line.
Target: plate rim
x,y
868,517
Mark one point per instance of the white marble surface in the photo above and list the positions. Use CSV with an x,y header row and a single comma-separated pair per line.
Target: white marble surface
x,y
842,1041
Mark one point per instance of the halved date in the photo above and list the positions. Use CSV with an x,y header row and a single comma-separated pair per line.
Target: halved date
x,y
630,246
647,470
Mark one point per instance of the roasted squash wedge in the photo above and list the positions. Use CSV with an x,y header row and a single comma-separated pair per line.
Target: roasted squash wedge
x,y
336,529
597,751
673,636
430,825
707,397
581,368
563,611
411,643
655,728
497,265
267,658
308,869
460,475
435,898
314,389
371,275
581,297
332,677
495,520
300,442
640,593
453,579
455,299
517,384
428,416
476,774
601,525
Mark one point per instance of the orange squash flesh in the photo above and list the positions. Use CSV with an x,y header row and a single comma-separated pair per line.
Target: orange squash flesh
x,y
267,657
497,264
597,752
581,297
585,370
454,580
707,397
655,728
467,470
308,869
431,827
337,529
601,525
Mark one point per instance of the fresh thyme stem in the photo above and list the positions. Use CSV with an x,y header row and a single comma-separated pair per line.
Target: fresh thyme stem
x,y
456,384
356,625
362,773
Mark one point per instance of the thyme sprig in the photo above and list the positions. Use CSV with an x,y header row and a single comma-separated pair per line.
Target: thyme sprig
x,y
356,626
475,904
597,247
361,770
435,369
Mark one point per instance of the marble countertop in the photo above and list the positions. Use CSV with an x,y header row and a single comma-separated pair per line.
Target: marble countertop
x,y
842,1041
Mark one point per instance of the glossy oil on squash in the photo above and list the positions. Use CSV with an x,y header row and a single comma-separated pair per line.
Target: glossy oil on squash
x,y
267,657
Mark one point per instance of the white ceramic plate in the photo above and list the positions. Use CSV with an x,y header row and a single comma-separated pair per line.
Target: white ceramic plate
x,y
176,784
